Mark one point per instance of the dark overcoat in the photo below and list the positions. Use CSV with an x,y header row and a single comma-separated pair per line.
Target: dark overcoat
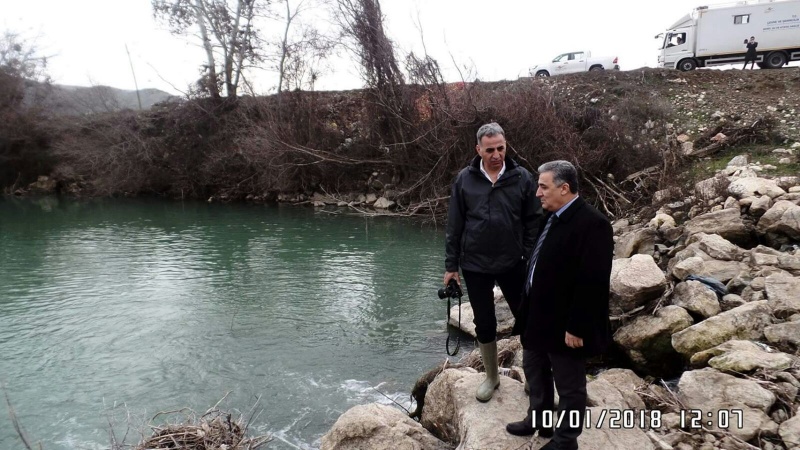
x,y
570,288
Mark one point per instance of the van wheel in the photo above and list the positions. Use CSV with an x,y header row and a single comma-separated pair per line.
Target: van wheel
x,y
686,65
775,60
542,73
596,69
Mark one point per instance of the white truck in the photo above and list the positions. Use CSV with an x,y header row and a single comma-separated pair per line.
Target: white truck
x,y
573,62
715,35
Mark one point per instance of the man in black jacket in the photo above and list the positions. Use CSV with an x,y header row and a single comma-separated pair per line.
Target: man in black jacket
x,y
564,314
751,55
491,226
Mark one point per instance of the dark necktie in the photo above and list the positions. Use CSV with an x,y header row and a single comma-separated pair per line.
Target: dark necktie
x,y
535,254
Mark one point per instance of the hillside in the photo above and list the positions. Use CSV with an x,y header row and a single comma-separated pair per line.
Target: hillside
x,y
633,134
79,100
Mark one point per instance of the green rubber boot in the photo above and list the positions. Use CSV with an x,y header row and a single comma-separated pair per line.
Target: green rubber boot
x,y
492,381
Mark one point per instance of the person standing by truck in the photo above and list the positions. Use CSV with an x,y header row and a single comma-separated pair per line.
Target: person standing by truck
x,y
750,56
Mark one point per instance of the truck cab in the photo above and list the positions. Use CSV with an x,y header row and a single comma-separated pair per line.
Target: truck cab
x,y
677,47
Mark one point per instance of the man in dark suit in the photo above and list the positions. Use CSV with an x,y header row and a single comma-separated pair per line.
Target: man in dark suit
x,y
564,314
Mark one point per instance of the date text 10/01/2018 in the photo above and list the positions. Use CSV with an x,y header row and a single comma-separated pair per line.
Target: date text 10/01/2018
x,y
642,419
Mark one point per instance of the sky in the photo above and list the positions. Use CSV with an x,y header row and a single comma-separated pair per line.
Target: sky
x,y
491,40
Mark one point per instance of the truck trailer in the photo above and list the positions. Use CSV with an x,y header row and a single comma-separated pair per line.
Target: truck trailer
x,y
715,35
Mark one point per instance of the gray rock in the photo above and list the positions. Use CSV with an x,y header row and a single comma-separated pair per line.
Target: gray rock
x,y
726,223
635,281
731,301
662,221
693,265
784,333
672,235
748,187
696,297
789,432
710,390
383,203
745,322
742,357
739,161
605,438
760,206
378,427
626,382
505,320
620,225
723,270
783,294
717,247
459,418
730,202
641,241
647,339
44,185
781,224
711,188
371,198
788,182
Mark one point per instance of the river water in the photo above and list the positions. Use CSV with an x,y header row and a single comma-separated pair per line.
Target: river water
x,y
114,310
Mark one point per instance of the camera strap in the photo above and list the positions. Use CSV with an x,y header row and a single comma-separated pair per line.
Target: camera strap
x,y
449,335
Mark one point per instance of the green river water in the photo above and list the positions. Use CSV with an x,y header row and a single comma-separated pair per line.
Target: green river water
x,y
117,307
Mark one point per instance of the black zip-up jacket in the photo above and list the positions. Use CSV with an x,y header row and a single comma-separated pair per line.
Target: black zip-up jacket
x,y
491,228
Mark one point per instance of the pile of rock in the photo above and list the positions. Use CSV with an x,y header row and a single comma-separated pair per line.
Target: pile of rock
x,y
706,292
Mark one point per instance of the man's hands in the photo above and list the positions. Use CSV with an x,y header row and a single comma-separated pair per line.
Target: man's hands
x,y
450,275
573,341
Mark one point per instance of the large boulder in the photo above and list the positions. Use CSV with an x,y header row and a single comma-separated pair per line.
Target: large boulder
x,y
790,432
505,320
783,294
379,427
616,388
647,339
604,437
641,241
754,187
781,224
458,418
693,265
741,357
711,391
727,223
711,188
635,281
717,247
697,298
723,271
745,322
784,333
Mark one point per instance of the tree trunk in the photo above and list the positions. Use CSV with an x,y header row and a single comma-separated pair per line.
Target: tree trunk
x,y
211,82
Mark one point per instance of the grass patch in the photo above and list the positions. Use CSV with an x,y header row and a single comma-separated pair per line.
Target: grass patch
x,y
761,153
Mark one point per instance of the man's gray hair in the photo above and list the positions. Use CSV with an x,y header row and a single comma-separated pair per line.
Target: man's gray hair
x,y
490,129
563,172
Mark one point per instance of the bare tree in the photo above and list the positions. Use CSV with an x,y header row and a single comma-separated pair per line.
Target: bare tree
x,y
362,21
302,47
227,34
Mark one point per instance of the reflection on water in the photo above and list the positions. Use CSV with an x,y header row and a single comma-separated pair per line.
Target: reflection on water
x,y
160,305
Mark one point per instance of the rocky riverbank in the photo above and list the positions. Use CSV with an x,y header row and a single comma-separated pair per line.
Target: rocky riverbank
x,y
705,290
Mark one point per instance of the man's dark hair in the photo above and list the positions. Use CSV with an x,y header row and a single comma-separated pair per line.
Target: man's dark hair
x,y
563,172
490,129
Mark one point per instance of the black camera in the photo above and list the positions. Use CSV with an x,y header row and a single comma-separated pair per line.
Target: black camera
x,y
452,290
